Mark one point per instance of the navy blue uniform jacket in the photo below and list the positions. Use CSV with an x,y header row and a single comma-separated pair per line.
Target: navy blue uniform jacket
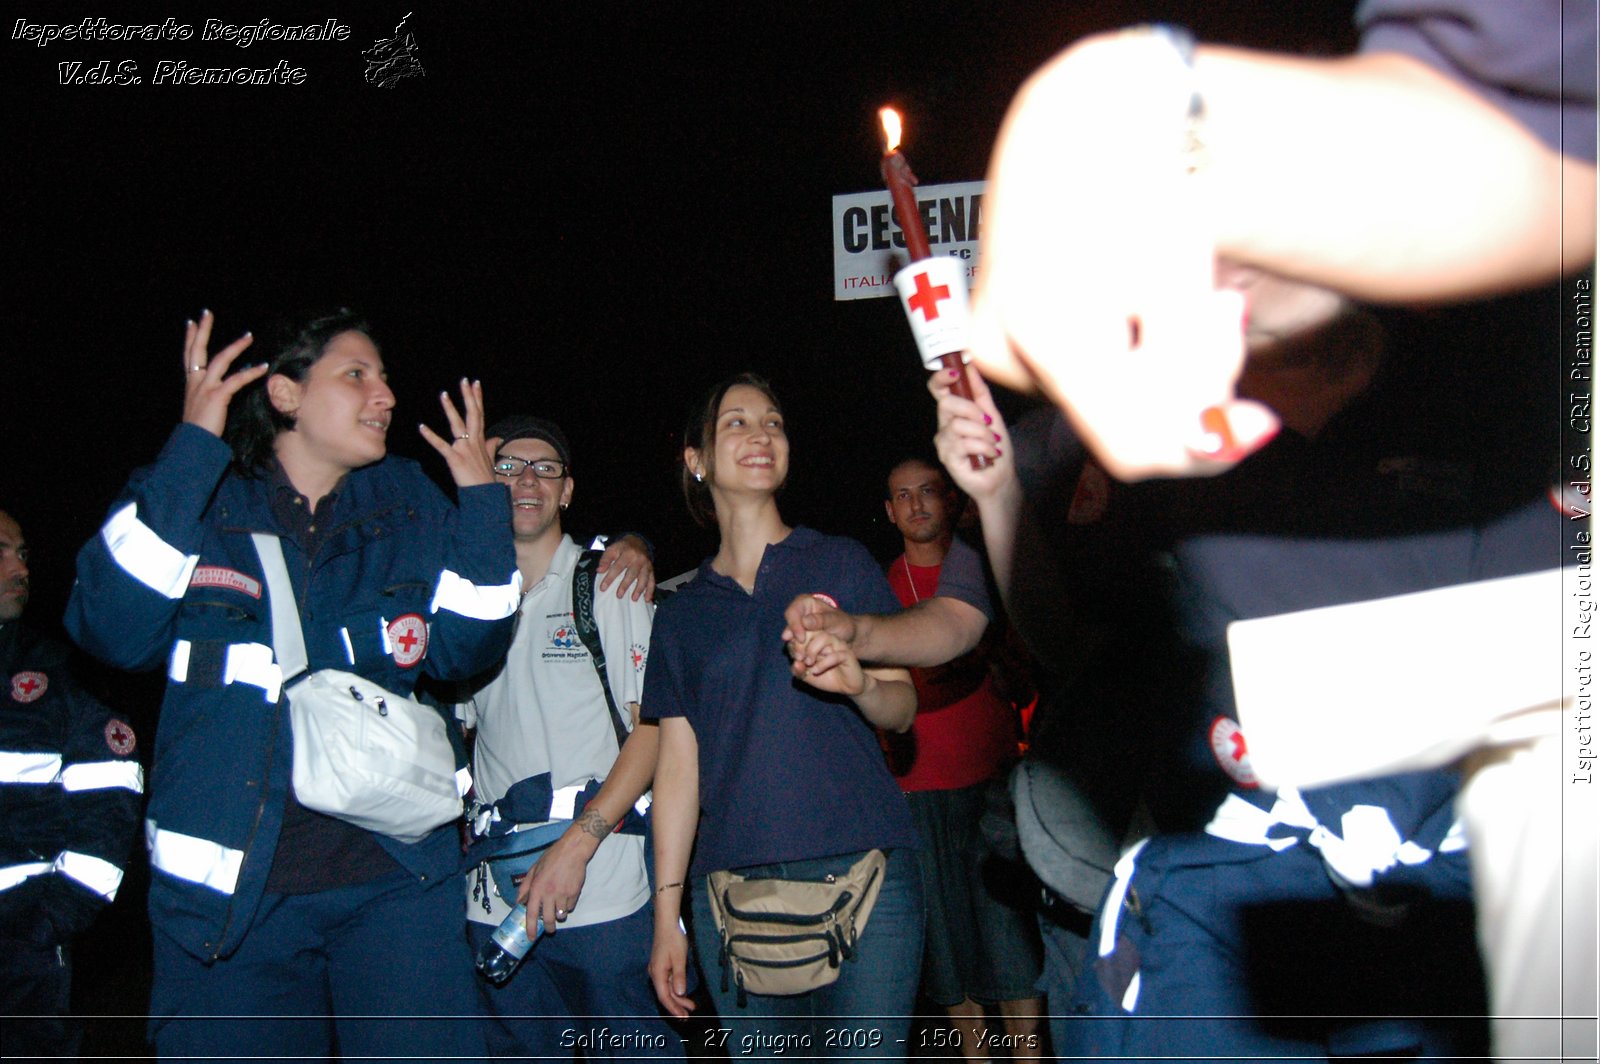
x,y
173,579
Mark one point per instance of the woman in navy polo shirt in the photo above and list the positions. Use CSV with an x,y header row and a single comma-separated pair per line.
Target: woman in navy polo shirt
x,y
785,774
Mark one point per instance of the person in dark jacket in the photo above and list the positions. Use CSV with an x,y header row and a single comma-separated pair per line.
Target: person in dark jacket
x,y
334,938
70,790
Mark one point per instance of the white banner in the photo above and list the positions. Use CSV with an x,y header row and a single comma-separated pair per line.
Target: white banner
x,y
868,246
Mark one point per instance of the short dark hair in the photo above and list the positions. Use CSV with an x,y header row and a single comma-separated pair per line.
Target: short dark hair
x,y
700,432
925,460
253,422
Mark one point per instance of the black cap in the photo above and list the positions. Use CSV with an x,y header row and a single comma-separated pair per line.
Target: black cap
x,y
527,427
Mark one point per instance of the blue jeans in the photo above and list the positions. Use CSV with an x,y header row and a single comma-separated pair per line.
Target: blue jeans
x,y
582,988
376,971
865,1012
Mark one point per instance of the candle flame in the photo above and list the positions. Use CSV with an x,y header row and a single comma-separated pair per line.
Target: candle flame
x,y
891,128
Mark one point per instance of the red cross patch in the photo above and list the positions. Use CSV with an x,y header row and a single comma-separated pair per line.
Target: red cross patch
x,y
29,686
636,655
1228,746
408,635
119,737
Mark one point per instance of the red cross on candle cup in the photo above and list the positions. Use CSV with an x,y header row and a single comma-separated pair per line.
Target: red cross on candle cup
x,y
925,300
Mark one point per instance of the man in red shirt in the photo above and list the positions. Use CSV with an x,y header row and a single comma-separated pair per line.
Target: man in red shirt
x,y
980,951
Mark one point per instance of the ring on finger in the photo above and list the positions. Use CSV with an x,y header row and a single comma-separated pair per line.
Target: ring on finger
x,y
196,369
467,436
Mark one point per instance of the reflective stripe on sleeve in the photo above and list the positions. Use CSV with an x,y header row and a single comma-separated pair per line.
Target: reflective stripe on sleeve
x,y
29,767
1455,840
460,595
250,663
11,875
178,665
1366,845
145,556
1245,822
104,775
98,875
564,801
1122,878
201,861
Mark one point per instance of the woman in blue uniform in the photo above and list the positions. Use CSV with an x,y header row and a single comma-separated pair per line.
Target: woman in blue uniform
x,y
261,907
764,774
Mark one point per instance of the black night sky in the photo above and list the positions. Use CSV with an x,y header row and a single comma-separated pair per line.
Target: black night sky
x,y
597,209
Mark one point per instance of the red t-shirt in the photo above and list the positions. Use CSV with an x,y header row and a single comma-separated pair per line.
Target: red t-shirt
x,y
964,732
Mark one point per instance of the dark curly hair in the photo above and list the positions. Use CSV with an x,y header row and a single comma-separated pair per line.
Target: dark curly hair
x,y
253,422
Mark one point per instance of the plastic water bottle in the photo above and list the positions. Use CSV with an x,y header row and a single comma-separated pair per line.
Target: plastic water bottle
x,y
499,957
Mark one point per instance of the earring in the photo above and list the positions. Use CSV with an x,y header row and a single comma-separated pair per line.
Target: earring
x,y
699,477
564,507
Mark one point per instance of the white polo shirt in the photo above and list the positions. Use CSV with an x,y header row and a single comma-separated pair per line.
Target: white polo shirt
x,y
544,711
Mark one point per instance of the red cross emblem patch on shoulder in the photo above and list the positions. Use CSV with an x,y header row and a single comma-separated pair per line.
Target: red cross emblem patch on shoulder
x,y
408,635
1228,745
119,737
29,686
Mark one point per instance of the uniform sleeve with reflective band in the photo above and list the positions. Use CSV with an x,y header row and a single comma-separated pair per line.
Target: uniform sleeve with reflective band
x,y
80,803
133,574
103,785
478,588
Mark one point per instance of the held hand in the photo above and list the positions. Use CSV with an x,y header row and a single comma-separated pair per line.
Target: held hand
x,y
552,887
1097,282
627,564
835,668
208,389
669,967
971,427
809,613
469,456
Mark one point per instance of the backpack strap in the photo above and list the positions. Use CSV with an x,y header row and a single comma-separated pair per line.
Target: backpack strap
x,y
583,596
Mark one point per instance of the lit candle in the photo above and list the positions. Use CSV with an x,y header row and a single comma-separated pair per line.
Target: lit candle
x,y
900,180
927,291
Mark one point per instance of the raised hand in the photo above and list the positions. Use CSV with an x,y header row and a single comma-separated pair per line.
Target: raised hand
x,y
1097,281
971,428
208,388
469,456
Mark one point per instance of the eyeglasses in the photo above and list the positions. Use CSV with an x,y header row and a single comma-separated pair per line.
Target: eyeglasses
x,y
511,468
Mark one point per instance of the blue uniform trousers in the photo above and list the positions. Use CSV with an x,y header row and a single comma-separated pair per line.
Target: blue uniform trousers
x,y
866,1012
581,988
1259,959
378,971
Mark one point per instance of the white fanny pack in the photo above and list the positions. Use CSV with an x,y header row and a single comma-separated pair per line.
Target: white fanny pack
x,y
362,753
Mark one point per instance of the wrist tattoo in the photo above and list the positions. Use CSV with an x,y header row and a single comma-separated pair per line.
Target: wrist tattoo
x,y
594,823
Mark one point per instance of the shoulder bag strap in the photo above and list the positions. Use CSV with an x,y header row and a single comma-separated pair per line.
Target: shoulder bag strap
x,y
288,641
583,593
